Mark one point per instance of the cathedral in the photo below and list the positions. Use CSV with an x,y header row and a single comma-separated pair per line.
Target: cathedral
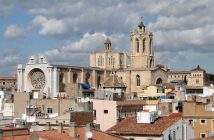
x,y
136,69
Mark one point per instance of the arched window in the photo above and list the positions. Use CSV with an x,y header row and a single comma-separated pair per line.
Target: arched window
x,y
138,80
87,77
150,64
150,47
74,77
98,81
144,46
137,45
159,81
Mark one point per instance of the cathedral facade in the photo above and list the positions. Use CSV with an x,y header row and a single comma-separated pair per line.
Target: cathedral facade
x,y
138,69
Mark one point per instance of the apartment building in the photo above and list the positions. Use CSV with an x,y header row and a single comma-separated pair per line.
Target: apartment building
x,y
200,116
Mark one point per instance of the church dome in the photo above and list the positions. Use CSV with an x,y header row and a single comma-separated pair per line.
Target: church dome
x,y
107,41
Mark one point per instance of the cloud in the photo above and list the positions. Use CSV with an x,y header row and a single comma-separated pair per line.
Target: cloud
x,y
10,58
181,28
77,53
6,7
13,32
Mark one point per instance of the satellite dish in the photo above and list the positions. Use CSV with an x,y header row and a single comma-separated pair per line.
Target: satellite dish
x,y
89,134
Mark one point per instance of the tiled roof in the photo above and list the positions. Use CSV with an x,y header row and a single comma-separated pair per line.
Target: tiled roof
x,y
54,135
131,103
7,78
130,126
179,72
48,135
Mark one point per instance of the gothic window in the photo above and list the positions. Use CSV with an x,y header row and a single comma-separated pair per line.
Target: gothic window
x,y
150,63
150,47
98,81
87,77
144,46
75,77
137,45
137,80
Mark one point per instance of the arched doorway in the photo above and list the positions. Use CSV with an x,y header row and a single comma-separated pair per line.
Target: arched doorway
x,y
159,81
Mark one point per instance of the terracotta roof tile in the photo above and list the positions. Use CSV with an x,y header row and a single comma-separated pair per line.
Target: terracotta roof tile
x,y
130,126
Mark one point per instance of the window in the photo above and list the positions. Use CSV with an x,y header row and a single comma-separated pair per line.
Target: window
x,y
0,96
131,138
174,135
137,45
137,80
94,113
50,110
100,61
3,83
203,121
105,111
75,77
197,81
202,135
144,45
191,122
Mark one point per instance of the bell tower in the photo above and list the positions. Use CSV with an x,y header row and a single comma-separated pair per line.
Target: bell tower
x,y
107,45
142,55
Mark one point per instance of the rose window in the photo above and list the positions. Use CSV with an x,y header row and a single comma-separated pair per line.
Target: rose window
x,y
38,79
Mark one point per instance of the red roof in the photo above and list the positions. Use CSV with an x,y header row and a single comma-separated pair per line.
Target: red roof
x,y
54,135
130,126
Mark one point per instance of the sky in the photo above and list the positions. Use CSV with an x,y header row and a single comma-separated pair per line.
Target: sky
x,y
66,31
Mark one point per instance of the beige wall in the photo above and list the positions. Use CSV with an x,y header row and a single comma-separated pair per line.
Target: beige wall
x,y
106,120
119,60
8,83
21,101
196,112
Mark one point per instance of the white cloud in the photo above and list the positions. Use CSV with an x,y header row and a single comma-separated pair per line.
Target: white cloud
x,y
77,53
179,26
13,32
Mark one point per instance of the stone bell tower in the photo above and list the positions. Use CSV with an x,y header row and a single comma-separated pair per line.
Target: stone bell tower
x,y
142,55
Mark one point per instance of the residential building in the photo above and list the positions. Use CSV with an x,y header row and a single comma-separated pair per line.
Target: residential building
x,y
149,127
8,83
108,113
200,117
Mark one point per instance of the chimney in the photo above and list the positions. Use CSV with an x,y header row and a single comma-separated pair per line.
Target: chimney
x,y
72,130
60,128
1,134
48,126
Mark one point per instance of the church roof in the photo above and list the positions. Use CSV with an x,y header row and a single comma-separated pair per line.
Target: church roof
x,y
198,68
107,41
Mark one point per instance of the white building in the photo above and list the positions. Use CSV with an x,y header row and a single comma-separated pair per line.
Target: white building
x,y
170,127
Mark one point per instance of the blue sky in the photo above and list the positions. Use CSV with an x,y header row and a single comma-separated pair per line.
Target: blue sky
x,y
66,31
